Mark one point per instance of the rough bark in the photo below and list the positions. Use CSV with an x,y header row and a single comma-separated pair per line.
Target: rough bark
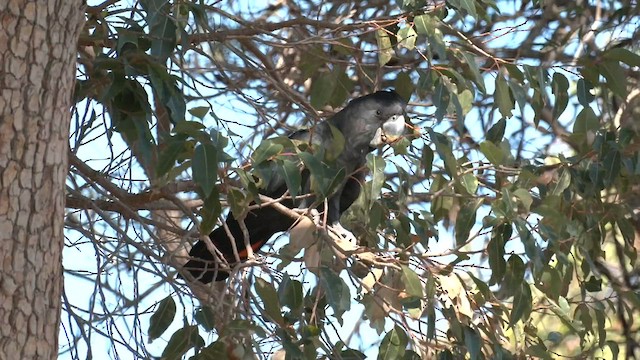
x,y
37,72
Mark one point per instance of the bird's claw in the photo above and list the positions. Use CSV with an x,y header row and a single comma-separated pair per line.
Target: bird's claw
x,y
315,216
344,235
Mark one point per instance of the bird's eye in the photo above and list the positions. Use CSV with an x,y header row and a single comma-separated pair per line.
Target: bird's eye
x,y
378,112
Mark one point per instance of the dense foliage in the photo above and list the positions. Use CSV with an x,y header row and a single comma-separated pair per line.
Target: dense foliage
x,y
504,226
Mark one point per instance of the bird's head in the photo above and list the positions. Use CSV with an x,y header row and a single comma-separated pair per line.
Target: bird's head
x,y
378,118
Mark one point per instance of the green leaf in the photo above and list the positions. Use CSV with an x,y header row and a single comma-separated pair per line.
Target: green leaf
x,y
473,343
593,284
521,304
443,148
602,331
377,165
351,354
470,59
582,313
583,90
162,28
538,351
205,167
616,79
404,85
412,282
322,88
425,24
503,97
493,153
173,147
337,144
205,316
519,93
266,150
211,209
217,350
407,38
162,318
290,293
470,183
465,220
470,6
238,202
338,294
559,87
525,197
612,163
615,349
586,121
324,179
200,111
514,275
550,283
623,55
499,237
290,172
427,161
343,89
385,50
393,345
564,180
181,341
408,355
269,297
191,128
496,133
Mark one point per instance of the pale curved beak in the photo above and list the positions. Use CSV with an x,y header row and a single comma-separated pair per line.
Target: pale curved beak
x,y
390,131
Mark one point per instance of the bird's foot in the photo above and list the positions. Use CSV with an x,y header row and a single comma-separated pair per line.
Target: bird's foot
x,y
344,235
315,216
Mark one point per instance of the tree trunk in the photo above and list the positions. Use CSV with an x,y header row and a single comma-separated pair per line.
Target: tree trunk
x,y
37,72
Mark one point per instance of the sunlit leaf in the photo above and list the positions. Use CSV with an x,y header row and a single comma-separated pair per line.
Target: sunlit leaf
x,y
470,183
385,50
493,153
199,111
407,38
266,150
412,283
393,344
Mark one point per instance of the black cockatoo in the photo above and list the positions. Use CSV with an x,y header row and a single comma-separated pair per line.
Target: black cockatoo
x,y
366,123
